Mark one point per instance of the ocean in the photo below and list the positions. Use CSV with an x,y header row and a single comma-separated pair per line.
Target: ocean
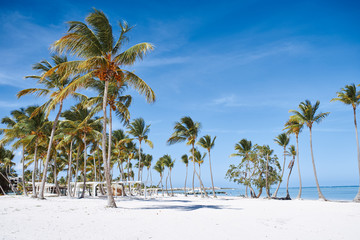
x,y
346,193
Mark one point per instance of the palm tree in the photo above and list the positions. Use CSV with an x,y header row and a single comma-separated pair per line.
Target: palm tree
x,y
244,147
294,126
169,163
79,118
208,143
140,131
54,84
199,159
283,140
12,132
147,163
185,160
37,128
159,167
350,96
291,152
308,116
94,43
186,130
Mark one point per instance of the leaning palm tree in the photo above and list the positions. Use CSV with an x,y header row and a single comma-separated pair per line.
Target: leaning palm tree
x,y
140,131
185,160
94,43
186,130
294,126
308,116
54,84
350,96
283,140
208,143
291,152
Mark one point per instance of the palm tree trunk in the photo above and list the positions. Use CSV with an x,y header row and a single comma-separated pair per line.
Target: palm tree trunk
x,y
287,184
23,171
95,175
34,195
193,180
41,194
150,178
2,190
55,179
111,201
212,181
298,165
139,160
267,174
321,196
167,193
357,197
84,171
77,169
201,185
110,137
185,180
69,169
172,192
282,174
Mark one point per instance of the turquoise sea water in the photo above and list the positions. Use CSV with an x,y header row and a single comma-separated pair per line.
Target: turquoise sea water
x,y
330,192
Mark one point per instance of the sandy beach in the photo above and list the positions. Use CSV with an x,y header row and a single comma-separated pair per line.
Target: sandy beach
x,y
177,218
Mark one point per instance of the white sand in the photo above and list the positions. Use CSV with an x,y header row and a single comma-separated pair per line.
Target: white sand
x,y
177,218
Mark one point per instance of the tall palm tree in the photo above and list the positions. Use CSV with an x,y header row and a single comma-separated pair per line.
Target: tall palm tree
x,y
186,130
291,152
208,143
294,126
243,148
94,43
53,85
185,160
351,96
308,116
283,140
140,131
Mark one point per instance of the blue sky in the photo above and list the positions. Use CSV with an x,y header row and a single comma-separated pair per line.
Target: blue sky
x,y
237,67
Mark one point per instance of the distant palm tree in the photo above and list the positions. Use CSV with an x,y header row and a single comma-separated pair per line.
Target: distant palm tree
x,y
283,140
185,160
199,159
292,152
169,163
351,96
95,43
308,116
186,130
208,143
294,126
244,147
147,163
159,167
140,131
